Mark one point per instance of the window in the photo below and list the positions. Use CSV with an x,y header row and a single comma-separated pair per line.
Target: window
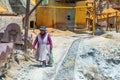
x,y
45,2
68,17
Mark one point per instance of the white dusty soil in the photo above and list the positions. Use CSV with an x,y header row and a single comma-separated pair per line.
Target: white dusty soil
x,y
32,71
98,58
88,58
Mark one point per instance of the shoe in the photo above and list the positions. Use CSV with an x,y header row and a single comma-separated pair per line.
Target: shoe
x,y
44,64
40,65
49,65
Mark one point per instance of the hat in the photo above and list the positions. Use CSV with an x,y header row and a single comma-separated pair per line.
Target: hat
x,y
42,28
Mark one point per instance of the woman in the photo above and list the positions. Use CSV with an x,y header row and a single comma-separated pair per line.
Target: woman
x,y
44,46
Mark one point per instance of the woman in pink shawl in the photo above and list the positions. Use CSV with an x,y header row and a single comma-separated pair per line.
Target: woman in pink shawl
x,y
44,46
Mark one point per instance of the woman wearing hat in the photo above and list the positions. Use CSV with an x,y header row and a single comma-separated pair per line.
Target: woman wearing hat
x,y
44,46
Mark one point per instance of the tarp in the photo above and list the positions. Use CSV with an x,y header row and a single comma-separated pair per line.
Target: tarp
x,y
2,8
6,4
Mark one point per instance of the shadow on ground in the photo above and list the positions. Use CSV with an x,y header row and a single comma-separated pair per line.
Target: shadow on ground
x,y
35,65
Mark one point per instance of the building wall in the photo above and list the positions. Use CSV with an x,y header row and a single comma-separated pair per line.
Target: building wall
x,y
53,16
6,20
65,16
43,16
80,15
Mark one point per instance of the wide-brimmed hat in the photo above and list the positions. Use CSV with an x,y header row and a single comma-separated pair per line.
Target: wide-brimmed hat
x,y
42,28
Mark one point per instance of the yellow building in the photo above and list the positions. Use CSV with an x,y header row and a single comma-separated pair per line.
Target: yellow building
x,y
80,15
61,13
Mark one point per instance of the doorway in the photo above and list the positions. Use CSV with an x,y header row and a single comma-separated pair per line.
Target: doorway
x,y
31,24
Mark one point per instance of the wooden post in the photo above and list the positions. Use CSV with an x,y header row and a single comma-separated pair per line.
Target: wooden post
x,y
26,25
34,26
107,4
93,27
116,26
94,16
107,22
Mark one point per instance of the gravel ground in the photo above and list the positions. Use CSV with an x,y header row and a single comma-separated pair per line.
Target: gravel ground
x,y
32,70
76,57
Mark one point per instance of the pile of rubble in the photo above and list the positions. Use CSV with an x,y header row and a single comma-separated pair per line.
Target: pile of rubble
x,y
98,58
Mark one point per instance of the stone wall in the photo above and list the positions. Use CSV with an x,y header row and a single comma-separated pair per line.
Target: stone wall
x,y
6,20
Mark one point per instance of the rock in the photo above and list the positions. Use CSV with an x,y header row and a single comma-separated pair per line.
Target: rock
x,y
89,75
114,61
